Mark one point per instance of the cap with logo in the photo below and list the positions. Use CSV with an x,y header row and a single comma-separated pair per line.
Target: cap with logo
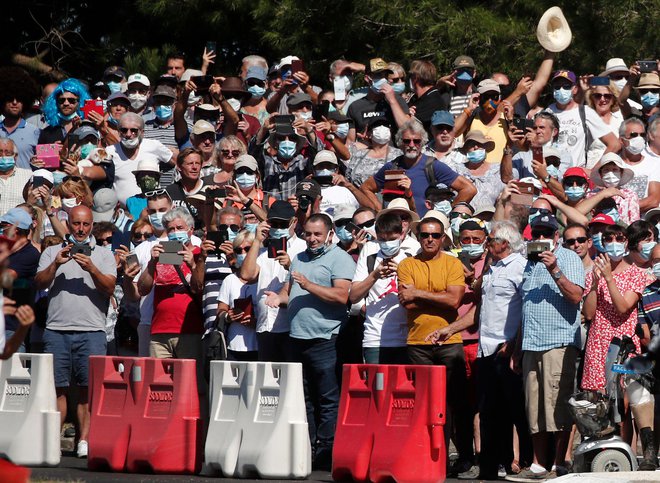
x,y
602,218
308,187
488,85
464,62
545,221
139,79
564,74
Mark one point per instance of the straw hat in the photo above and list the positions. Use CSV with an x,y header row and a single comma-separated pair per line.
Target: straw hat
x,y
553,32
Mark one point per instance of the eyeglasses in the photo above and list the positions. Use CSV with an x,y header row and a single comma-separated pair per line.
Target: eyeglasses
x,y
634,135
542,211
234,228
416,141
492,239
239,250
598,96
235,153
424,235
571,241
132,130
158,192
477,240
70,100
611,238
101,241
143,235
547,233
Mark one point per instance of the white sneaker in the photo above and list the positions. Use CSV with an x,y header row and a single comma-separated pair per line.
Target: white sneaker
x,y
82,449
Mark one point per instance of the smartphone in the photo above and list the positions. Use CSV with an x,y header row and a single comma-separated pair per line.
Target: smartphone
x,y
297,66
202,82
323,180
80,249
647,65
20,295
464,257
350,226
284,119
522,123
535,248
599,81
49,154
321,111
527,193
210,46
217,237
216,193
171,256
339,88
537,154
37,182
275,245
243,305
92,105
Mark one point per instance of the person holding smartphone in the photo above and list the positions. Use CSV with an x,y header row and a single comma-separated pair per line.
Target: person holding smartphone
x,y
602,96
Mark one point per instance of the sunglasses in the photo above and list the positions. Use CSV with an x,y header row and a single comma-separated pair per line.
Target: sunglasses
x,y
463,216
70,100
255,82
634,135
646,91
344,222
492,239
543,233
571,180
244,171
239,250
565,87
477,240
235,153
158,192
101,241
618,76
571,241
611,238
394,80
416,141
278,224
132,130
542,211
234,228
598,96
143,236
424,235
369,223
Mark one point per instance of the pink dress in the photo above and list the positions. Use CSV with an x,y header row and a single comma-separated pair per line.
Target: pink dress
x,y
627,206
608,323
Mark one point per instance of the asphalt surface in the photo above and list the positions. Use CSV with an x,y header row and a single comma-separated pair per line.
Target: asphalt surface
x,y
72,469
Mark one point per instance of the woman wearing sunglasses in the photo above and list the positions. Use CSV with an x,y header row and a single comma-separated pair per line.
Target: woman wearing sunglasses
x,y
603,100
229,149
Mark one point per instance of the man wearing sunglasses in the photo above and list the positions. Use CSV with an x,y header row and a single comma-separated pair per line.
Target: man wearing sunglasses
x,y
552,290
646,182
577,239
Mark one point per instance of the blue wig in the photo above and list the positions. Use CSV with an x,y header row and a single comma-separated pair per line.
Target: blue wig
x,y
50,110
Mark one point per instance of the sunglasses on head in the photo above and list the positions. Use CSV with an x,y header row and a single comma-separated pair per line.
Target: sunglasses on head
x,y
158,192
569,242
463,216
611,238
424,235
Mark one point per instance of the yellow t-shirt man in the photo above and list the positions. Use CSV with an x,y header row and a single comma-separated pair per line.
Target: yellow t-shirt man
x,y
431,276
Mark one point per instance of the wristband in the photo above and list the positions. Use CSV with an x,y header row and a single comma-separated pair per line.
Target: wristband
x,y
248,203
408,194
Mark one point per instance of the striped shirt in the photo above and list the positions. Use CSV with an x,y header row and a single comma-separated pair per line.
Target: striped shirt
x,y
216,271
549,320
648,310
164,134
280,182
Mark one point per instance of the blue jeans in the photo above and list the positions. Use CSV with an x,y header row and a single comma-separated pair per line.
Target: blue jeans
x,y
385,355
319,360
8,335
71,350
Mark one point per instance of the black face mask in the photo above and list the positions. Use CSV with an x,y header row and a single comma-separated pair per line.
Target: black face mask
x,y
506,90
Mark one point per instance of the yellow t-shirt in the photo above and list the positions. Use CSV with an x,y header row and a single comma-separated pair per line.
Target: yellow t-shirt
x,y
432,276
497,133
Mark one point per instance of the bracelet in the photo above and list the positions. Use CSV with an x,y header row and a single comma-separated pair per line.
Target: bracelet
x,y
467,111
507,152
248,203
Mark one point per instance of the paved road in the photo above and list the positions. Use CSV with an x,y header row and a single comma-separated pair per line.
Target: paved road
x,y
75,470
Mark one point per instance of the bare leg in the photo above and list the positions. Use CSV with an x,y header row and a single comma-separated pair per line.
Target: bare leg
x,y
561,441
540,447
61,403
569,447
82,411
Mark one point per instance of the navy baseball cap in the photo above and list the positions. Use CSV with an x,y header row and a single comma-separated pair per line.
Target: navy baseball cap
x,y
442,118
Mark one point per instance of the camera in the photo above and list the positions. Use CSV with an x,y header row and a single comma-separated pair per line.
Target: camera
x,y
304,202
535,248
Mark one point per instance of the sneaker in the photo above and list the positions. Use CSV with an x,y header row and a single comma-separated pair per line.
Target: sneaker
x,y
557,471
82,449
527,475
501,471
70,432
458,467
471,474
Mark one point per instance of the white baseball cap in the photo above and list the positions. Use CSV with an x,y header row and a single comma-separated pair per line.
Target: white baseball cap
x,y
140,79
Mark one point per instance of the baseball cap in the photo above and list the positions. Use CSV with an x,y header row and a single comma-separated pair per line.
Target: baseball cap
x,y
246,161
286,61
325,156
203,126
463,61
545,221
165,91
139,79
442,118
602,218
488,85
378,65
18,217
577,172
281,210
86,130
564,74
308,187
256,72
105,201
297,99
45,174
118,98
189,73
114,70
343,212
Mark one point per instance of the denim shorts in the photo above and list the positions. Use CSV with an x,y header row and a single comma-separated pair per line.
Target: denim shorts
x,y
71,350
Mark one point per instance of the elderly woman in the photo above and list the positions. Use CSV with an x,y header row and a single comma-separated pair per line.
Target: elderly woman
x,y
229,149
61,109
367,159
603,100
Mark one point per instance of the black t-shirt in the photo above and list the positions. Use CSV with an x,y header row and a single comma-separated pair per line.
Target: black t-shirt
x,y
25,263
429,102
364,110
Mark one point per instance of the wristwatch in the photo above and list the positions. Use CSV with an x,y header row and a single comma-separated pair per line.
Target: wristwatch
x,y
330,137
557,275
546,179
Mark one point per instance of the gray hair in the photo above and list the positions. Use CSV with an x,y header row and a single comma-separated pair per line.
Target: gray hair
x,y
415,126
131,116
506,230
231,141
653,129
179,212
251,60
231,210
8,140
628,122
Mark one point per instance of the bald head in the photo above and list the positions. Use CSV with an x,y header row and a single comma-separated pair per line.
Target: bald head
x,y
80,222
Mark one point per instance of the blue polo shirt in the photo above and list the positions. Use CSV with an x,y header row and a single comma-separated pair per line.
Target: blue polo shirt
x,y
25,136
311,317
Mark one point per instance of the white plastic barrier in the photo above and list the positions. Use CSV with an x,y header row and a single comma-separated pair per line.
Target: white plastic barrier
x,y
29,419
258,422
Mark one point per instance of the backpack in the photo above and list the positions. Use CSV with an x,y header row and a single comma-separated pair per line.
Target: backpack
x,y
428,168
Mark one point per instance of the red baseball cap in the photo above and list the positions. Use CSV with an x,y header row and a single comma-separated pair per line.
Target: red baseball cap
x,y
579,172
602,218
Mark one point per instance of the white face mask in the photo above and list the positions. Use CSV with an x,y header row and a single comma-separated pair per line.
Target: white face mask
x,y
235,104
305,116
611,179
636,145
137,100
130,143
620,84
69,203
381,135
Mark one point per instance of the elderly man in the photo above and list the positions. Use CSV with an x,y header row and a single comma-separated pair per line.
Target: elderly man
x,y
12,178
421,171
552,289
80,277
646,182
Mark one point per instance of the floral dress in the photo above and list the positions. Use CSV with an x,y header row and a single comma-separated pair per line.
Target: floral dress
x,y
628,205
608,323
361,166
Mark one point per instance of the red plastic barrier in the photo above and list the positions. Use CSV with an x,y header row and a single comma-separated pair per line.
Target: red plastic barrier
x,y
145,415
12,473
391,424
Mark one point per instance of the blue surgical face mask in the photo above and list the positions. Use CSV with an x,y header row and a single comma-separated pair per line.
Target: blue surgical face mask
x,y
464,76
646,249
319,250
399,87
377,84
650,99
562,96
245,180
156,220
240,258
163,113
575,193
231,234
181,236
615,250
256,91
553,171
656,270
113,86
443,206
86,149
76,242
474,250
58,178
7,163
597,240
476,156
286,149
342,130
456,225
279,233
613,213
343,234
68,117
324,172
389,248
251,227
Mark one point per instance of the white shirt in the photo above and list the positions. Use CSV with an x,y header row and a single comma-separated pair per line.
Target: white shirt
x,y
646,171
240,338
572,136
125,185
271,278
2,324
333,196
597,147
501,303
